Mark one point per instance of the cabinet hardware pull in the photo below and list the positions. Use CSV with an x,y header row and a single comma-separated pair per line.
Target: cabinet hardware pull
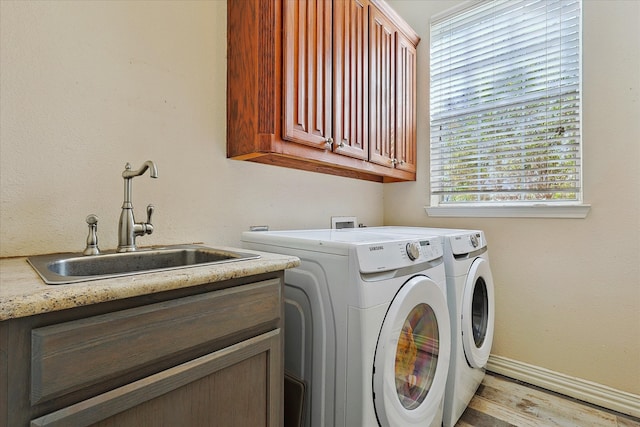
x,y
328,143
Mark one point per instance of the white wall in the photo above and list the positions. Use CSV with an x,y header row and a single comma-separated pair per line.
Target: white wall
x,y
567,290
89,86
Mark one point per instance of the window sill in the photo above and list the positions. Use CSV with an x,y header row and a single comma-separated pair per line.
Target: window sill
x,y
510,211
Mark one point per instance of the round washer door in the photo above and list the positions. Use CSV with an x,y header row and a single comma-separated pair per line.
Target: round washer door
x,y
478,312
412,356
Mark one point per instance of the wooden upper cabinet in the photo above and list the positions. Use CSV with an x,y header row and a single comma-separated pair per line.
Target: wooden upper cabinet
x,y
311,84
325,75
382,69
351,78
307,72
392,115
405,137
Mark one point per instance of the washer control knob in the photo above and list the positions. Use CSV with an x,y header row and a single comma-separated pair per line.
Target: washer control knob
x,y
413,250
474,240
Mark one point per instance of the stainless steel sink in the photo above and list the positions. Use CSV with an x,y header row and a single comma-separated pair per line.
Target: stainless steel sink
x,y
57,269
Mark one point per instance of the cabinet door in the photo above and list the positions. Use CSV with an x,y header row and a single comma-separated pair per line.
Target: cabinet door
x,y
240,385
307,88
351,78
382,78
405,147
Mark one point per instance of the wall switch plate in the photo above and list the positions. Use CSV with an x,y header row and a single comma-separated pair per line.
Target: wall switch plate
x,y
338,222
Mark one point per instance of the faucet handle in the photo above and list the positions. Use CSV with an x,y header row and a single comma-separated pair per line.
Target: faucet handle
x,y
92,219
150,209
92,238
148,227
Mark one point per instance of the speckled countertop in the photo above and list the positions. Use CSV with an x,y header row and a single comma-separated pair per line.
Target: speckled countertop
x,y
23,293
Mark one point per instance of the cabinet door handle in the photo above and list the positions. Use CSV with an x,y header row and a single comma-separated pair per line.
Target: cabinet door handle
x,y
328,143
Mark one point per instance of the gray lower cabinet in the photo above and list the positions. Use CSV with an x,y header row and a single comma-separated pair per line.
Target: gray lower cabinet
x,y
203,356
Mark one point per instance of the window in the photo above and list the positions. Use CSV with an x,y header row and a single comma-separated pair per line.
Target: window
x,y
505,105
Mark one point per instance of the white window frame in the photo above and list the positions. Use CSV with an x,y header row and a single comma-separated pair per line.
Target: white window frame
x,y
536,209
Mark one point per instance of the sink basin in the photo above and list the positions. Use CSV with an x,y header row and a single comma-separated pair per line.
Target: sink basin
x,y
59,269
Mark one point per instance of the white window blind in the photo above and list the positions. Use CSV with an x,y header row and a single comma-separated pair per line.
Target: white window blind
x,y
505,103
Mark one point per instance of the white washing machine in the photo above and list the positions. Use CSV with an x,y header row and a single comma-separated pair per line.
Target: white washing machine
x,y
470,294
366,325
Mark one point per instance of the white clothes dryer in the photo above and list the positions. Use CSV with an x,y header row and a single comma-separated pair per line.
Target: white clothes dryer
x,y
470,294
366,325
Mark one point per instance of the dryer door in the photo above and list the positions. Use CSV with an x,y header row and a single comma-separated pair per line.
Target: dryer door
x,y
412,356
478,312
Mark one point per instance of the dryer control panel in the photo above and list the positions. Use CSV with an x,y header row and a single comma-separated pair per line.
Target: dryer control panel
x,y
465,243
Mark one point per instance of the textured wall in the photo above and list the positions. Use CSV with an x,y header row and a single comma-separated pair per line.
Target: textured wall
x,y
89,86
567,290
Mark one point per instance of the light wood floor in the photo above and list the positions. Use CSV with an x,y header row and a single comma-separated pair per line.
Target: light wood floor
x,y
503,402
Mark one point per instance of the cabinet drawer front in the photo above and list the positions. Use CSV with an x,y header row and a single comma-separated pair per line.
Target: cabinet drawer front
x,y
73,355
240,385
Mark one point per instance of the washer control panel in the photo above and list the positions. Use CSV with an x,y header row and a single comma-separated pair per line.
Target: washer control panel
x,y
396,254
413,250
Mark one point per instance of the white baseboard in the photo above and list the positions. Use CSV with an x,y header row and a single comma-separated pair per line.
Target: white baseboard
x,y
597,394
